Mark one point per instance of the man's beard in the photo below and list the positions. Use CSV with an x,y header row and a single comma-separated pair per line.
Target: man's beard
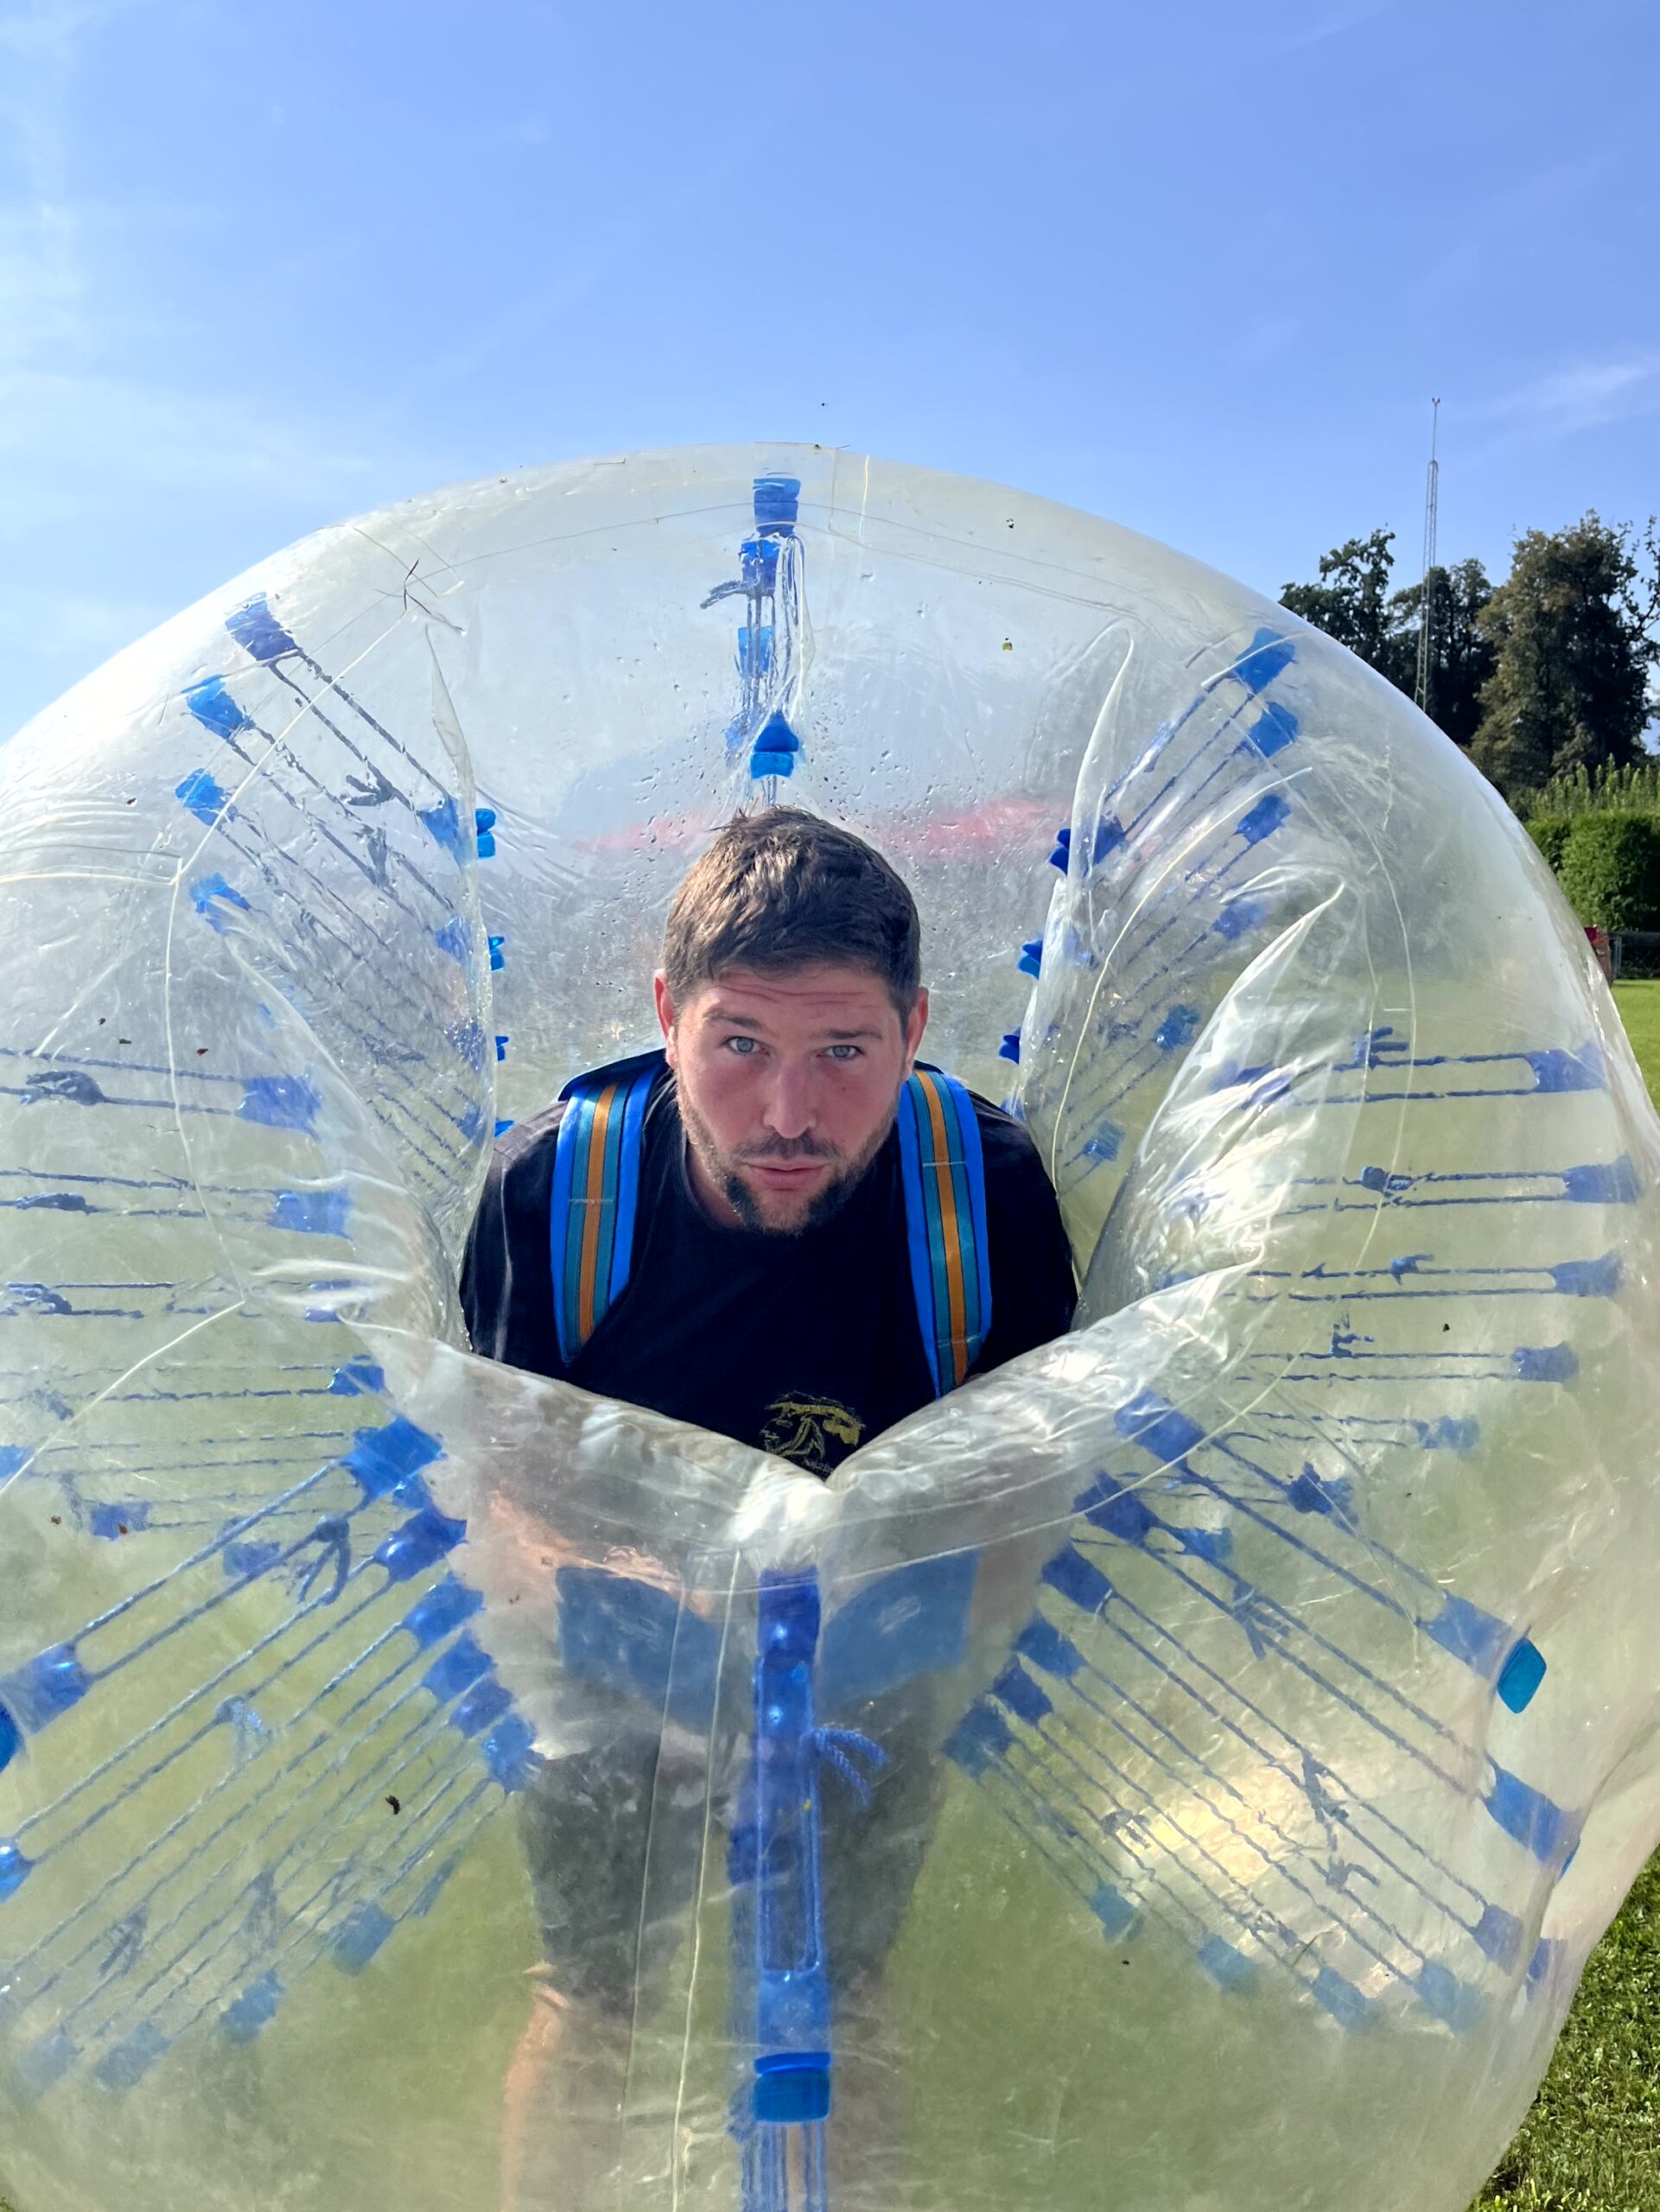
x,y
721,1169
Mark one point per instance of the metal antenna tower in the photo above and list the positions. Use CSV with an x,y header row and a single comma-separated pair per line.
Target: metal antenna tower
x,y
1425,609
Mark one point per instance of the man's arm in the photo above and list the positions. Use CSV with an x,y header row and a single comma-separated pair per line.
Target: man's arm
x,y
1034,1288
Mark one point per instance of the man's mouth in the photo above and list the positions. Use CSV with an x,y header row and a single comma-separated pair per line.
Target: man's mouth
x,y
785,1175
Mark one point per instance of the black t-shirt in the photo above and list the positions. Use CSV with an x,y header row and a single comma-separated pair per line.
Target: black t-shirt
x,y
807,1346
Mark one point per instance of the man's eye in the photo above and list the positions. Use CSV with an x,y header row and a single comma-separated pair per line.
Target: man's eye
x,y
845,1053
745,1048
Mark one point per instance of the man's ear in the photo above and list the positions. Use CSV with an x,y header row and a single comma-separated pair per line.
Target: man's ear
x,y
664,1012
914,1027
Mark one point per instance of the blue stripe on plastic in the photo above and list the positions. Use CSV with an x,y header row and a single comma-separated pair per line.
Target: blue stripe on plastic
x,y
484,1703
1153,1423
777,501
1469,1633
1262,819
913,1620
259,633
1041,1645
1015,1689
980,1738
1528,1816
311,1213
1346,2004
1609,1183
48,1686
421,1543
359,1936
444,1607
1077,1579
509,1752
244,2018
1273,731
202,796
45,2062
1556,1071
1545,1363
133,2059
1451,2001
280,1102
1499,1935
1112,1908
456,1668
1227,1967
384,1460
214,709
1268,655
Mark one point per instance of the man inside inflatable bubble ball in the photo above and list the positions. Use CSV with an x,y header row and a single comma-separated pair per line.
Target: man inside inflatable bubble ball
x,y
787,1163
783,1155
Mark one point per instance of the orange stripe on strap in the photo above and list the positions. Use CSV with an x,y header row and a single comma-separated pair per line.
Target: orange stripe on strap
x,y
593,1194
946,1187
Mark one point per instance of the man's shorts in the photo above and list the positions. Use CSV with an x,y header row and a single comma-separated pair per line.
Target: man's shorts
x,y
589,1821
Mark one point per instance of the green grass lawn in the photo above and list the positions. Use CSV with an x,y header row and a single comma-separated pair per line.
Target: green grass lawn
x,y
1639,1009
1592,2141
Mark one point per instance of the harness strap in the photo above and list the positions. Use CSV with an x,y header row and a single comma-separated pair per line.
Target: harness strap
x,y
596,1192
945,1222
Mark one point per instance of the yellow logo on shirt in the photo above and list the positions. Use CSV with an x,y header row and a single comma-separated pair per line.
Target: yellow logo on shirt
x,y
808,1431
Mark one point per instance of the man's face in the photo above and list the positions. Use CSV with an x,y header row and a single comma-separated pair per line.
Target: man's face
x,y
787,1087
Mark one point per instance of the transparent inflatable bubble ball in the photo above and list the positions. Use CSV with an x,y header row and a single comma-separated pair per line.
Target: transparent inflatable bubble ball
x,y
1186,1767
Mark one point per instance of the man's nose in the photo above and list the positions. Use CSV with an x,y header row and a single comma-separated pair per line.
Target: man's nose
x,y
789,1112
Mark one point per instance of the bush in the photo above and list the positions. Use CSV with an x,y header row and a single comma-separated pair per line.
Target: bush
x,y
1610,869
1549,832
1634,789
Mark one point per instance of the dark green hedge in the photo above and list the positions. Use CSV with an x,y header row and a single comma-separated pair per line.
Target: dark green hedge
x,y
1549,832
1608,865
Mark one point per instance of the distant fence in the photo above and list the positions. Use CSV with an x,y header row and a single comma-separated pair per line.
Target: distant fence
x,y
1634,954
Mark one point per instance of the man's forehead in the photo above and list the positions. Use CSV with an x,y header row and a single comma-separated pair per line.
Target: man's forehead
x,y
826,990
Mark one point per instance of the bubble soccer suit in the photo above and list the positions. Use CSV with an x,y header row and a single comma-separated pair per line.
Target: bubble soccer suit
x,y
1278,1646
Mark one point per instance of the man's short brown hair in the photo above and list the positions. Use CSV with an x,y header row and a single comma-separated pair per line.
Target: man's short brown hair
x,y
783,889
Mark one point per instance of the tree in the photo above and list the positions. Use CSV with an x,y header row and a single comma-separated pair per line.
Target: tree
x,y
1462,656
1352,603
1350,600
1573,631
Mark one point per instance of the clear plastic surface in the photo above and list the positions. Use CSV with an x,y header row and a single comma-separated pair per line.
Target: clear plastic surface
x,y
1188,1767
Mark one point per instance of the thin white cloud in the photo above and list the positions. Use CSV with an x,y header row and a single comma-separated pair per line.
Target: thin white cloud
x,y
1335,22
50,30
44,309
101,430
1580,397
81,628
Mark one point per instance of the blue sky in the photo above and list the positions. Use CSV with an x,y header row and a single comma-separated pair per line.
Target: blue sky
x,y
1198,266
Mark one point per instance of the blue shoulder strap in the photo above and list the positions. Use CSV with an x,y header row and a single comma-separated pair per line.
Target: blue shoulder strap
x,y
944,1180
596,1192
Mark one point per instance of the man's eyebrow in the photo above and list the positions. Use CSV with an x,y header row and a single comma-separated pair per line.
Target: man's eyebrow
x,y
728,1018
